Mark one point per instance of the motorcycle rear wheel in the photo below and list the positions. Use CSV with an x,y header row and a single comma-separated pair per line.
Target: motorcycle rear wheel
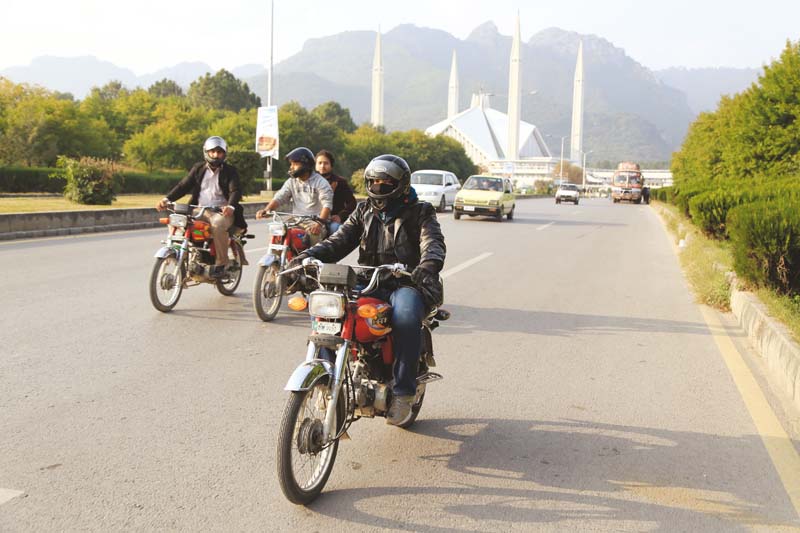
x,y
268,292
166,283
415,409
303,465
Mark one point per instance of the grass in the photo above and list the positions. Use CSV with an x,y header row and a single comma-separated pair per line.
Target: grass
x,y
706,263
39,203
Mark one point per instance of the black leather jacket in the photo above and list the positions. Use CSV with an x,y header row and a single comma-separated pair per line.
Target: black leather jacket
x,y
413,237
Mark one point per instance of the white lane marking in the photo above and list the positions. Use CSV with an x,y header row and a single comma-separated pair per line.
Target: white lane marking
x,y
466,264
540,228
8,494
575,212
257,249
775,439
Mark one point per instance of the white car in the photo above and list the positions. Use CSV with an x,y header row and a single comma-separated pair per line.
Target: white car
x,y
567,192
437,187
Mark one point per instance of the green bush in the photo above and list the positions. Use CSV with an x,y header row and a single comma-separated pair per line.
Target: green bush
x,y
709,210
30,179
357,182
89,181
765,238
251,170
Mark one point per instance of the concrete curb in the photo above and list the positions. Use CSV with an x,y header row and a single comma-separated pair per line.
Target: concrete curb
x,y
772,340
58,223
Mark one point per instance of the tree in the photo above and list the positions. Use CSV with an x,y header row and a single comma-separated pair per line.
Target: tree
x,y
222,91
336,115
164,88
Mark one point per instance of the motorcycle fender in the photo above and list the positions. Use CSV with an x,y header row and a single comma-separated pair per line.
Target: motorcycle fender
x,y
268,259
165,251
307,374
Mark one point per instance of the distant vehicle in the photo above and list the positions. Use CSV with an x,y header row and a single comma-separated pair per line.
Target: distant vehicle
x,y
437,187
627,183
567,192
485,195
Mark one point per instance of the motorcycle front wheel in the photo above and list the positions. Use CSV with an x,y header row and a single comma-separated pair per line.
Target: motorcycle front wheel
x,y
304,465
228,285
268,292
166,283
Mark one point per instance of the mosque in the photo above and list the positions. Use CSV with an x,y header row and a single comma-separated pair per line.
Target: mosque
x,y
501,144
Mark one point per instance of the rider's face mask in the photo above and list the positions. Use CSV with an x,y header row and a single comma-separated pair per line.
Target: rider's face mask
x,y
381,188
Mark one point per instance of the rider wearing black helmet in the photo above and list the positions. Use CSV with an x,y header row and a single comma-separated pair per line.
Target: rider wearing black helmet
x,y
392,226
213,182
309,193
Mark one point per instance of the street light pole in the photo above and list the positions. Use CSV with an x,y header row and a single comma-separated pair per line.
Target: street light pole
x,y
268,171
584,170
561,165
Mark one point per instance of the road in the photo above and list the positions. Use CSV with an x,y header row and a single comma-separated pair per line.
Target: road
x,y
584,390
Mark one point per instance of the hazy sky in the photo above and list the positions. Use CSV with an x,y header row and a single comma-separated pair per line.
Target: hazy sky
x,y
146,35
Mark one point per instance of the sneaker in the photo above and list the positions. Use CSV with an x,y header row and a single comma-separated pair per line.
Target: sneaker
x,y
400,410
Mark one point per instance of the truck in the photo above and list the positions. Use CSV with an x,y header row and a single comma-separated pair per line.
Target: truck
x,y
627,183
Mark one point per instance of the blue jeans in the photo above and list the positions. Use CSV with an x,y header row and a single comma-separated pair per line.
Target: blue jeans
x,y
333,226
408,310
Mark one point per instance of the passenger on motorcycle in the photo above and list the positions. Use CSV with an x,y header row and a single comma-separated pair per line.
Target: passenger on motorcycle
x,y
344,202
308,192
213,182
392,226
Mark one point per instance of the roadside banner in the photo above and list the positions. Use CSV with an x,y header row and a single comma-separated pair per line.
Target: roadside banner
x,y
267,131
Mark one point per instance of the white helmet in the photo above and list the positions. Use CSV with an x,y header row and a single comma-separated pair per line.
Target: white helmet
x,y
210,144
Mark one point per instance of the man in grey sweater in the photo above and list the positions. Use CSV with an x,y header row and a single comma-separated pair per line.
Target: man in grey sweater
x,y
308,192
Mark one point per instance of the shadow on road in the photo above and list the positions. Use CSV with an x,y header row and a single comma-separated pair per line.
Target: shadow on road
x,y
559,324
515,474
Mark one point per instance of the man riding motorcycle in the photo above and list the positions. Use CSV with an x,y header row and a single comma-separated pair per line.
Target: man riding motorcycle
x,y
213,182
392,226
309,193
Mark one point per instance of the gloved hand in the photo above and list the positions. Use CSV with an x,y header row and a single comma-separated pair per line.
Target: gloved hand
x,y
423,274
426,278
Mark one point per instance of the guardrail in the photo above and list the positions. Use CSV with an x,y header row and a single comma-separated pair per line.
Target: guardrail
x,y
57,223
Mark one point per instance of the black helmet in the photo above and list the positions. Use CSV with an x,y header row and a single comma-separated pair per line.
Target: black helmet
x,y
210,144
389,167
305,157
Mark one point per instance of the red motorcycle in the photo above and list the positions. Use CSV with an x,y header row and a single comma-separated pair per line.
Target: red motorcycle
x,y
287,239
326,397
188,255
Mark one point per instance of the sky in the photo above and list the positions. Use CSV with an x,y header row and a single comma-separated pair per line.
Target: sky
x,y
147,35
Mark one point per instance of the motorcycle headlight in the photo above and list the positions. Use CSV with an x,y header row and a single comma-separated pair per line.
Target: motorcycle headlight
x,y
278,229
326,304
178,220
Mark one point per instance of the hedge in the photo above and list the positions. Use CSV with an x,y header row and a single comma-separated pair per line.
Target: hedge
x,y
30,179
765,240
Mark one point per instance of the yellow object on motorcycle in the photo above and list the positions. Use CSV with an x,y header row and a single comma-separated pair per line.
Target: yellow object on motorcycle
x,y
200,230
298,303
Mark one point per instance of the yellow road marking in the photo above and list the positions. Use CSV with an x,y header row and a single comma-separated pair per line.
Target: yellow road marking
x,y
778,444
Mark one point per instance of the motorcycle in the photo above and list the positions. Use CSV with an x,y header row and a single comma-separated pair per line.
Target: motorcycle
x,y
287,239
187,257
327,397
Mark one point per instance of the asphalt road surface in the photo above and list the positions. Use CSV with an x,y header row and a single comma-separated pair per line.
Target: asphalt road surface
x,y
584,390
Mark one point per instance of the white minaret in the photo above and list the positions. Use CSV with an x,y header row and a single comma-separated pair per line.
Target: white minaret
x,y
452,89
377,85
576,143
514,98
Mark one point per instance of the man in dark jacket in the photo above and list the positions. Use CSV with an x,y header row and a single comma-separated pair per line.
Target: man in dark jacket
x,y
213,182
344,202
393,227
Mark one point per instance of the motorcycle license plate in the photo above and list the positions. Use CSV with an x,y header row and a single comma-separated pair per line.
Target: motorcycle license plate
x,y
329,328
469,208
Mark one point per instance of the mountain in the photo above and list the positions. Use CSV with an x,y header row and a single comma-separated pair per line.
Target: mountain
x,y
77,75
630,113
705,86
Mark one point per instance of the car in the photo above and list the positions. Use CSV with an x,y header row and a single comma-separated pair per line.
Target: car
x,y
568,192
437,187
485,195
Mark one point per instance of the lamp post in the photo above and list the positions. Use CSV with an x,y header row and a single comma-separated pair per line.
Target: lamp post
x,y
584,170
561,158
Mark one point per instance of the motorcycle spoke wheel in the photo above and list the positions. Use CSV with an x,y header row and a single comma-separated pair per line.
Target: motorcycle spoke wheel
x,y
228,285
166,283
304,464
267,292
